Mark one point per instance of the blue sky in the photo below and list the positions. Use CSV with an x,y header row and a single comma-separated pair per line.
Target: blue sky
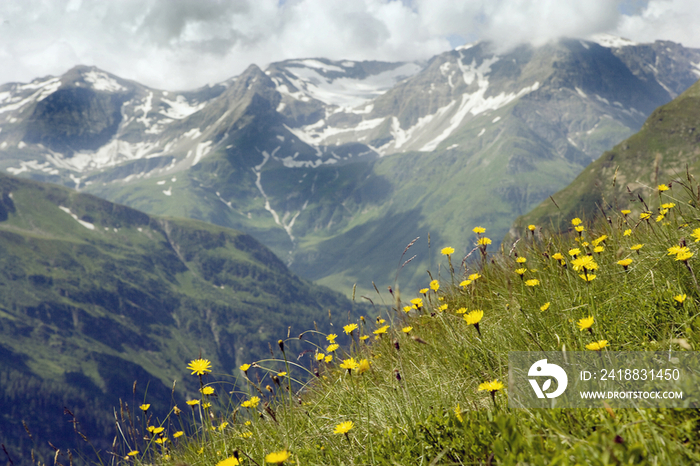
x,y
183,44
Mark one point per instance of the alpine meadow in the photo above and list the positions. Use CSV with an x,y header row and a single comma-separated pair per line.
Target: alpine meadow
x,y
331,262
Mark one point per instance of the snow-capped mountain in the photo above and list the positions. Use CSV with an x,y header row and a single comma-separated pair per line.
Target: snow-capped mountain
x,y
337,165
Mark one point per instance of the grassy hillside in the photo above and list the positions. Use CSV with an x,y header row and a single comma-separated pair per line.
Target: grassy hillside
x,y
662,151
421,383
95,296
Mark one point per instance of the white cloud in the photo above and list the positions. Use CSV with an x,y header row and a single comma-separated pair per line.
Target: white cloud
x,y
180,44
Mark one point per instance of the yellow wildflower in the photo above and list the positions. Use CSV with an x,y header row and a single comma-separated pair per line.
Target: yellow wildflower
x,y
680,298
192,402
348,329
381,330
329,357
144,407
343,427
545,306
683,256
521,272
244,367
407,329
133,453
461,310
320,356
521,260
199,366
484,241
576,221
645,215
179,433
589,277
662,188
474,276
207,390
332,347
627,232
636,247
626,212
474,317
434,285
585,323
251,403
331,337
277,457
458,413
532,282
465,283
423,290
574,252
584,262
531,227
479,230
625,262
447,251
363,366
230,461
492,386
597,345
442,308
558,256
349,364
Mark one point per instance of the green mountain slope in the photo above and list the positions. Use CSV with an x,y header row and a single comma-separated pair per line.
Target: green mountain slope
x,y
667,145
95,296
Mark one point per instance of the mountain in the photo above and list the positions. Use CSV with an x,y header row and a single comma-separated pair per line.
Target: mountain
x,y
338,165
95,296
665,150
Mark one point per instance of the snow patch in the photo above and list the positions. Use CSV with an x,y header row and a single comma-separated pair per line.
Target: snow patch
x,y
161,182
610,41
203,148
452,146
481,133
21,145
33,165
581,93
180,108
169,191
87,225
496,120
101,82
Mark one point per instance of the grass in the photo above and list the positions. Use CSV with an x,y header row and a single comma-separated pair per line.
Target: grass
x,y
422,381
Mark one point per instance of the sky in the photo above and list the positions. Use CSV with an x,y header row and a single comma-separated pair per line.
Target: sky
x,y
185,44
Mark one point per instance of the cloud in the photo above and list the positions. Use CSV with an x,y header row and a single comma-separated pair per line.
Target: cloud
x,y
182,44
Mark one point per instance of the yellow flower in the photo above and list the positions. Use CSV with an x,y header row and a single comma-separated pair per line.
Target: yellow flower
x,y
576,221
574,252
343,427
644,215
532,282
329,357
598,249
277,457
418,302
579,228
156,430
331,337
625,262
521,260
381,330
492,386
192,402
662,188
363,366
133,453
465,283
588,277
144,407
199,366
599,240
521,272
207,390
442,308
558,256
364,337
484,241
545,306
458,413
474,317
281,374
660,217
230,461
222,426
680,298
179,433
531,227
206,405
627,232
585,323
461,310
349,364
597,345
668,205
251,403
684,255
245,434
584,262
636,247
332,347
474,276
447,251
244,367
348,329
407,329
423,290
479,230
320,356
